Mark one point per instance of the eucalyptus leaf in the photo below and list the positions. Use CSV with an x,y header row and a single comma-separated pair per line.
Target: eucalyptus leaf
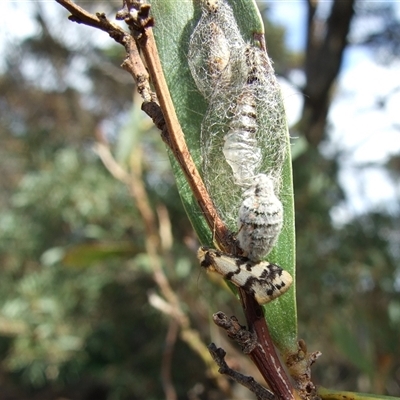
x,y
174,23
328,394
88,254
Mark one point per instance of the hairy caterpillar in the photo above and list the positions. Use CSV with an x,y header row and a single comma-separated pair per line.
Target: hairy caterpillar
x,y
260,218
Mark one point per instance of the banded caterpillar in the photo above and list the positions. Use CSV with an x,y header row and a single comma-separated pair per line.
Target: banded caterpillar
x,y
240,147
260,218
263,280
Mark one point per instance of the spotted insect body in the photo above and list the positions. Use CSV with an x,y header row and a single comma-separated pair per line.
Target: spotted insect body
x,y
263,280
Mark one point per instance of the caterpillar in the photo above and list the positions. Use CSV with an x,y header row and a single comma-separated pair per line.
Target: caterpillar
x,y
260,218
240,146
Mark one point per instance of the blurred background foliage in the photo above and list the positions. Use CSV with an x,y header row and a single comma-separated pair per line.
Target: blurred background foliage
x,y
75,317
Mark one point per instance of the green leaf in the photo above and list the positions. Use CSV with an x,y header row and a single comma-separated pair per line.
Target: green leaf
x,y
174,23
84,255
328,394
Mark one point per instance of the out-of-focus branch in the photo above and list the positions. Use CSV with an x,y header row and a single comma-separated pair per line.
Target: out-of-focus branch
x,y
109,162
190,336
170,340
326,42
169,304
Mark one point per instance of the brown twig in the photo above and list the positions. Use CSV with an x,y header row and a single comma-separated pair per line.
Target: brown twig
x,y
132,63
176,139
246,339
257,343
218,356
299,365
264,355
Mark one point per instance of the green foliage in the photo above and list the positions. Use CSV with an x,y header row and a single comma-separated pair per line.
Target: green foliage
x,y
66,321
42,304
342,395
75,277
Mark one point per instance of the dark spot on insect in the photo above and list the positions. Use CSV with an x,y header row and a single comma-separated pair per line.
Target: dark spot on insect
x,y
229,275
267,273
213,8
258,190
248,266
208,261
249,283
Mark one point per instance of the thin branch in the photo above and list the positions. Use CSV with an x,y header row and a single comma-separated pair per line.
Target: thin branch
x,y
176,138
104,153
262,353
132,63
265,356
218,356
164,229
246,339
